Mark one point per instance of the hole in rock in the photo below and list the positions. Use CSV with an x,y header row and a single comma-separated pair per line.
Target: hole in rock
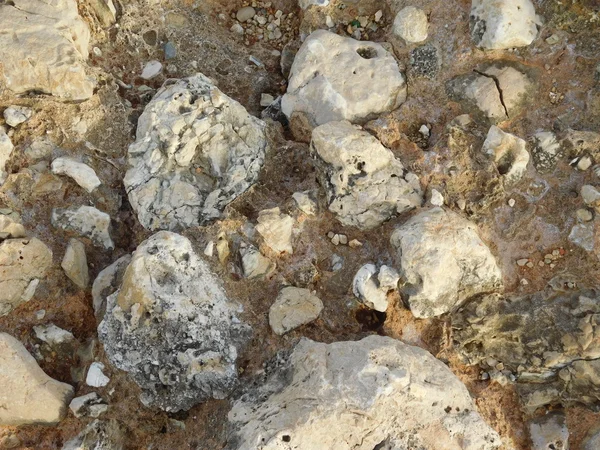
x,y
367,52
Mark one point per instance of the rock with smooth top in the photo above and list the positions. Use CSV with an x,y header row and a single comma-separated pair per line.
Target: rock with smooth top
x,y
411,24
75,265
293,307
81,173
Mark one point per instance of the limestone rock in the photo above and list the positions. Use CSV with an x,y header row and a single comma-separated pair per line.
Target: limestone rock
x,y
509,152
43,47
16,115
338,78
550,432
374,393
293,307
366,185
442,262
107,282
546,151
254,264
305,4
584,236
196,151
172,327
95,376
28,395
83,174
506,24
90,405
75,265
98,435
23,262
276,229
105,12
371,285
53,335
410,24
305,203
9,228
6,148
86,221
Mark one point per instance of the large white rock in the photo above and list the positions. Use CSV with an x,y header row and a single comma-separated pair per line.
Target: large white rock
x,y
83,174
196,151
503,24
509,152
338,78
87,221
43,47
377,393
366,185
28,395
410,24
442,262
171,326
6,148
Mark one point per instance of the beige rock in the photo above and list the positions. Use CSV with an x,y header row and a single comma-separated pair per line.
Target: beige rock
x,y
107,282
75,265
276,229
254,263
411,24
6,148
28,395
10,229
509,152
83,174
294,307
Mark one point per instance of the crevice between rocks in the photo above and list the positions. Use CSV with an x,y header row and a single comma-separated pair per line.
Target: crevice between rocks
x,y
500,93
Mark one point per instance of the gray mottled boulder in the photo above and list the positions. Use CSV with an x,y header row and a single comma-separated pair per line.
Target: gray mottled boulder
x,y
196,151
442,262
28,395
43,47
86,221
171,326
338,78
377,393
366,185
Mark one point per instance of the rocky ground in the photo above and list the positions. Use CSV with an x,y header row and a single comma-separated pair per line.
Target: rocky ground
x,y
336,224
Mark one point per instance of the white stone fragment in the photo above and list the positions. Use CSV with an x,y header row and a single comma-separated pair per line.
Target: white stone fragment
x,y
411,24
305,4
151,70
276,229
83,174
437,199
371,288
90,405
6,148
95,376
87,221
254,264
53,335
16,115
292,308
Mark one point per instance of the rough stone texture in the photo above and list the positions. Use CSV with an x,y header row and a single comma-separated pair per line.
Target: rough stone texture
x,y
9,228
592,440
6,148
86,221
576,143
503,24
372,394
53,335
196,151
16,115
276,229
550,432
442,262
338,78
83,174
107,282
43,46
254,264
509,152
88,405
171,326
98,435
410,24
23,262
546,151
75,265
293,307
547,338
371,285
366,185
28,395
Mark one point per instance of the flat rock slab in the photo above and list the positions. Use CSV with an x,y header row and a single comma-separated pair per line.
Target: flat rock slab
x,y
294,307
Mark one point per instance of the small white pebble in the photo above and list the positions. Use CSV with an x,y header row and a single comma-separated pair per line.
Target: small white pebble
x,y
210,247
335,240
512,202
343,239
437,199
355,243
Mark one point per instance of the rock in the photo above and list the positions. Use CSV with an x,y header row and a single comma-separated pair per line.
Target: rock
x,y
592,440
425,61
338,78
43,47
577,143
245,14
196,151
90,405
10,229
39,149
293,308
305,203
371,288
105,12
28,395
583,235
172,327
546,151
509,152
237,29
584,215
83,174
75,265
170,50
437,199
98,435
411,24
584,163
591,196
23,262
375,393
549,432
107,282
86,221
442,262
151,70
506,24
6,148
366,185
16,115
53,335
254,264
266,99
95,376
276,229
305,4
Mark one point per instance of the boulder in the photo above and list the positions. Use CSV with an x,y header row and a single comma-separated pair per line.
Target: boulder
x,y
43,48
442,262
6,148
196,151
23,262
86,221
276,229
28,396
376,393
509,152
83,174
171,326
410,24
506,24
365,184
293,307
337,78
75,265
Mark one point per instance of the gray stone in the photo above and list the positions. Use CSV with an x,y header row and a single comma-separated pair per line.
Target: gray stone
x,y
254,264
170,50
16,115
371,285
293,307
6,148
509,152
74,264
89,405
549,432
245,14
196,151
424,61
86,221
95,376
583,235
305,202
9,228
83,174
105,12
53,335
151,70
172,327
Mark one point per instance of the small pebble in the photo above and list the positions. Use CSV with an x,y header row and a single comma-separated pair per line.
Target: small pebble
x,y
437,199
512,202
355,243
237,29
335,240
584,163
245,14
524,282
378,15
583,214
343,239
151,70
529,264
522,262
266,99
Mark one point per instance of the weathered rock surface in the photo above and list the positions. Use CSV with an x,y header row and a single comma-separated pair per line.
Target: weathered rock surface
x,y
504,24
293,307
509,152
172,327
276,229
366,185
371,285
107,282
98,435
28,395
442,262
88,405
86,221
9,228
6,148
53,335
410,24
83,174
305,4
338,78
43,47
374,393
16,115
23,262
74,264
546,151
196,151
550,432
254,264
